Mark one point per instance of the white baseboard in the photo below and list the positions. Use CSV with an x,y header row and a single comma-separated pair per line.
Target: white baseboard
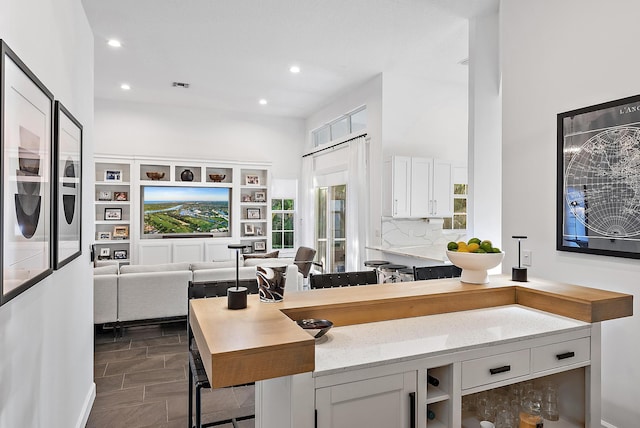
x,y
88,404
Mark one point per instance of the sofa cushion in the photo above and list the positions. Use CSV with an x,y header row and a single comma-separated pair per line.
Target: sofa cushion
x,y
106,270
214,265
167,267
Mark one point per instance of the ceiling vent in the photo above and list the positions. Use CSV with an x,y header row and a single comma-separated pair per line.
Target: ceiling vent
x,y
180,85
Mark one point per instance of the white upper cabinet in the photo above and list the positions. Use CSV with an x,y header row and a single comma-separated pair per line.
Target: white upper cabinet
x,y
417,187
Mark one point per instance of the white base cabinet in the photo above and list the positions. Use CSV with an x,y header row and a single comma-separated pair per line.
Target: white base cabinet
x,y
374,403
399,394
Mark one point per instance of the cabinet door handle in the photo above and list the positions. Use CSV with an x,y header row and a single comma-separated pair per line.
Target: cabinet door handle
x,y
502,369
565,355
412,410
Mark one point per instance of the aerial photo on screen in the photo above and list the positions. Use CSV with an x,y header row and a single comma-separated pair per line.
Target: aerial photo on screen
x,y
185,210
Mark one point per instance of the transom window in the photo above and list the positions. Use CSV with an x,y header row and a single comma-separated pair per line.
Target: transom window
x,y
350,123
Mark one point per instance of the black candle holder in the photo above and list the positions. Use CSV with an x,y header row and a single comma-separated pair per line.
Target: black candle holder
x,y
237,296
519,273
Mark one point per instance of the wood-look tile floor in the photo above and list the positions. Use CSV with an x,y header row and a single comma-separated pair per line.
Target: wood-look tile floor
x,y
141,382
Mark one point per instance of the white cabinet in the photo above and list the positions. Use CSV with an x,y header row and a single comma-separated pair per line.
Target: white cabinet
x,y
417,187
382,402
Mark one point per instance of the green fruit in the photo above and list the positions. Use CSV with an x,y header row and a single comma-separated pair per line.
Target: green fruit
x,y
480,250
452,246
474,240
486,246
495,250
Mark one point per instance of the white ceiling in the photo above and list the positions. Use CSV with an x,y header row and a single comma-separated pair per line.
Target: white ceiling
x,y
233,53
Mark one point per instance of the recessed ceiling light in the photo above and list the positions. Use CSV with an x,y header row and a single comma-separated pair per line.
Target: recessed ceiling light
x,y
125,87
294,69
263,102
114,43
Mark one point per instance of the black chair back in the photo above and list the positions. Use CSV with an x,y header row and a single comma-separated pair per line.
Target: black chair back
x,y
343,279
436,272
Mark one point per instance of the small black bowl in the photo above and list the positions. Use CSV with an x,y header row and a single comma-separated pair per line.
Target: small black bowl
x,y
321,326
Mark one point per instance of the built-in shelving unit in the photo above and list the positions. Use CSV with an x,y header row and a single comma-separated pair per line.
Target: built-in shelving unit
x,y
249,207
112,209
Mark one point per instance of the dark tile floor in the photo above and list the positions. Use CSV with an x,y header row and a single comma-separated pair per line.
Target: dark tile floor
x,y
141,382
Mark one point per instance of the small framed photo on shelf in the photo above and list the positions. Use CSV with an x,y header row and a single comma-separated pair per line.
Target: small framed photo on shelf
x,y
253,180
259,246
253,213
105,253
119,254
104,195
249,229
120,196
113,175
260,197
113,213
120,232
258,230
246,198
103,236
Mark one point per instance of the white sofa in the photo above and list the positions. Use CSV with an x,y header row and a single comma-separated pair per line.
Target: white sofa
x,y
143,292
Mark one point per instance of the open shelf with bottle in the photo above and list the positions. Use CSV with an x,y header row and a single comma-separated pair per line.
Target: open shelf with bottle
x,y
439,384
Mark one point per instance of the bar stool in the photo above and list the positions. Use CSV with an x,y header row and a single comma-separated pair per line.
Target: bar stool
x,y
390,272
376,264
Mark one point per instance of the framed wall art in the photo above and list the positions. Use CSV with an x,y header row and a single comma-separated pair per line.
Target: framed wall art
x,y
259,246
120,196
68,190
26,107
103,236
121,232
105,195
248,229
598,187
253,180
260,197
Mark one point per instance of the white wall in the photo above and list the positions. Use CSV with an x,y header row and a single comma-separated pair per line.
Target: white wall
x,y
46,333
559,56
159,130
424,117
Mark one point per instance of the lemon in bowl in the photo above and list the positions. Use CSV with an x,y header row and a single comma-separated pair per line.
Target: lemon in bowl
x,y
475,265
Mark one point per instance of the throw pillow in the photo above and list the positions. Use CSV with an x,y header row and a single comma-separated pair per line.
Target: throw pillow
x,y
271,255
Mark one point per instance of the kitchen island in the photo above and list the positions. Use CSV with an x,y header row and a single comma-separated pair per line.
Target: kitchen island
x,y
295,376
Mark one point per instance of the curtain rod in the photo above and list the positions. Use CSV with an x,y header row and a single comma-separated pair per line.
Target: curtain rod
x,y
334,145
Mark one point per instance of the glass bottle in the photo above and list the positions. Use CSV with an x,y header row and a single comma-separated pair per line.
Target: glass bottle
x,y
530,416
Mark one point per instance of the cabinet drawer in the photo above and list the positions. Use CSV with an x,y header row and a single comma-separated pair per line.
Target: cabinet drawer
x,y
483,371
560,354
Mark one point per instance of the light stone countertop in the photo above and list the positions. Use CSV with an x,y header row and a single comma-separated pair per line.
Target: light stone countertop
x,y
378,343
431,253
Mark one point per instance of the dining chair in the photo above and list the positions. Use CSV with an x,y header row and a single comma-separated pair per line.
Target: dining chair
x,y
197,374
343,279
436,272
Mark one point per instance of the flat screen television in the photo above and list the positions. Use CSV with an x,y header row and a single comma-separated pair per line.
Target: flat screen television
x,y
172,211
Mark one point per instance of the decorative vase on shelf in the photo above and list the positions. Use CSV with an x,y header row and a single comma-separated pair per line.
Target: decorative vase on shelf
x,y
186,175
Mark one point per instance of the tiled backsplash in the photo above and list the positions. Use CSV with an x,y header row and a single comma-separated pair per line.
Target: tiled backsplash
x,y
417,232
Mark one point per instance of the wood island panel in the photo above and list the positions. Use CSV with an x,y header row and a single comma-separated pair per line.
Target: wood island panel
x,y
263,341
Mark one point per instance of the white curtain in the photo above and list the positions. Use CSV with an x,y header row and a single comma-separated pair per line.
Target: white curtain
x,y
357,204
354,172
307,204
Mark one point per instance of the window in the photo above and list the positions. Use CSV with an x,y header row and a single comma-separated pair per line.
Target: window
x,y
282,223
459,219
350,123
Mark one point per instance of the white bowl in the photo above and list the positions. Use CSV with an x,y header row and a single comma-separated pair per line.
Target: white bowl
x,y
475,265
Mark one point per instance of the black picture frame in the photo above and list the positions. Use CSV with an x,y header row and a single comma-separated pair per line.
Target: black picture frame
x,y
598,184
120,254
113,214
67,170
26,124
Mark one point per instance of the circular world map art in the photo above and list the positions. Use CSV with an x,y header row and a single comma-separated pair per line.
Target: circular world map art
x,y
602,183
